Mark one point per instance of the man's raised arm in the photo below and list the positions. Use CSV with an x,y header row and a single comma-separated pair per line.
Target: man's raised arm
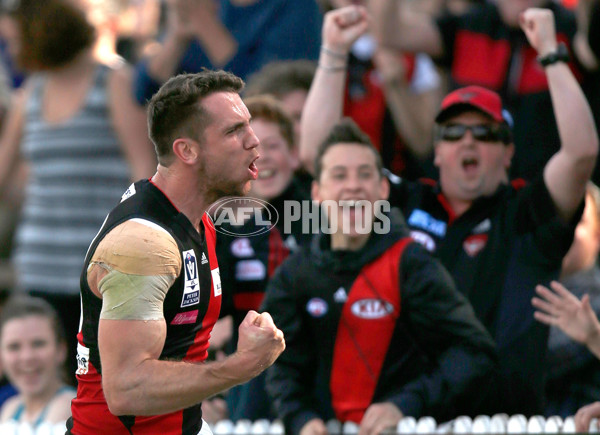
x,y
568,171
323,108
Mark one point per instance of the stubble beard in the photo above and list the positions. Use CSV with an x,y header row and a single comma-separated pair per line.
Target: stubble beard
x,y
218,191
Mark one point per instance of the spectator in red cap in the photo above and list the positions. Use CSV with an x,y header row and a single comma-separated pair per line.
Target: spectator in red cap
x,y
498,239
486,47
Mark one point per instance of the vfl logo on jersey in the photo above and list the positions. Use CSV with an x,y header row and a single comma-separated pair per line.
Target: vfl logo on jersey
x,y
129,192
216,279
371,308
423,239
191,288
317,307
423,220
83,360
474,244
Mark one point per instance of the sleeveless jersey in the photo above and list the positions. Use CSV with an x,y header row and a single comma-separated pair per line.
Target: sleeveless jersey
x,y
191,308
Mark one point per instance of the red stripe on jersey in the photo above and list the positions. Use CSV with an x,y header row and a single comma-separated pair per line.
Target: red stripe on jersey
x,y
199,350
447,206
364,333
480,60
248,300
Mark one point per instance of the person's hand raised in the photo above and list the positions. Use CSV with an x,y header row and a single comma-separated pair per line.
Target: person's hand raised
x,y
538,25
343,26
186,16
559,307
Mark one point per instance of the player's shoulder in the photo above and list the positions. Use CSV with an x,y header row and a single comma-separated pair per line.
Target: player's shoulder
x,y
137,244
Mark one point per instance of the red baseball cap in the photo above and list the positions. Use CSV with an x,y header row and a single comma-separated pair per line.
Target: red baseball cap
x,y
471,97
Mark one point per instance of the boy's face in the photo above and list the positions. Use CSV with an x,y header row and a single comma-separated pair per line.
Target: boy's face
x,y
277,161
349,176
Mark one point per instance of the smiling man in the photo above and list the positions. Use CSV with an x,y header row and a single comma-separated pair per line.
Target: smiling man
x,y
365,341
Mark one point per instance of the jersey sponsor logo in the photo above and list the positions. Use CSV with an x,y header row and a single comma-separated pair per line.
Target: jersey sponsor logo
x,y
250,270
371,308
204,260
317,307
424,239
482,227
185,318
474,244
423,220
191,288
242,248
83,359
128,193
340,295
216,279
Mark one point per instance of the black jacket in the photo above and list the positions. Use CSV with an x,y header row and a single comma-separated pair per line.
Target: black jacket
x,y
428,359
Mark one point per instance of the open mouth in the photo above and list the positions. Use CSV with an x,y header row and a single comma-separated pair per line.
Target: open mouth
x,y
470,164
253,170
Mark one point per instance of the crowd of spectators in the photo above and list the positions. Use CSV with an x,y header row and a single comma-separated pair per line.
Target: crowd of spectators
x,y
487,157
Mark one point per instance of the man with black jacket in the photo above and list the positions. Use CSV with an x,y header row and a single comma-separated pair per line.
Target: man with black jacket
x,y
374,326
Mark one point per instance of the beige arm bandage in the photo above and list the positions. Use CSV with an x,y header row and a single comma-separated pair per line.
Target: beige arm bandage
x,y
142,261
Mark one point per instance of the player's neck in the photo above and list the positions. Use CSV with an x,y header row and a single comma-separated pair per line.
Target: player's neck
x,y
182,192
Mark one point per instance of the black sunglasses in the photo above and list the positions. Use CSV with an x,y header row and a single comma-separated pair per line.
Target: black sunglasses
x,y
481,132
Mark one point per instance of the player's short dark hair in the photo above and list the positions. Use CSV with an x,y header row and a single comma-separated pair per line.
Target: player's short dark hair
x,y
176,109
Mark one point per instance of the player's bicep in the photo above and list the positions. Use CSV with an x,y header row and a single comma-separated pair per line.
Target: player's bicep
x,y
124,345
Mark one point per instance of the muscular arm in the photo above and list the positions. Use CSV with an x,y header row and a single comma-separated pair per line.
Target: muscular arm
x,y
132,269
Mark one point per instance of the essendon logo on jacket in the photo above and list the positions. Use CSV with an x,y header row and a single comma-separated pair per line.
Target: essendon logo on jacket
x,y
371,308
474,244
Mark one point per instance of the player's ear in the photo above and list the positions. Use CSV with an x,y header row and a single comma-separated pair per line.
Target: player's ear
x,y
186,150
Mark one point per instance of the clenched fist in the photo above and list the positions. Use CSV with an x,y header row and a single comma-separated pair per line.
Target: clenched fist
x,y
260,342
538,25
